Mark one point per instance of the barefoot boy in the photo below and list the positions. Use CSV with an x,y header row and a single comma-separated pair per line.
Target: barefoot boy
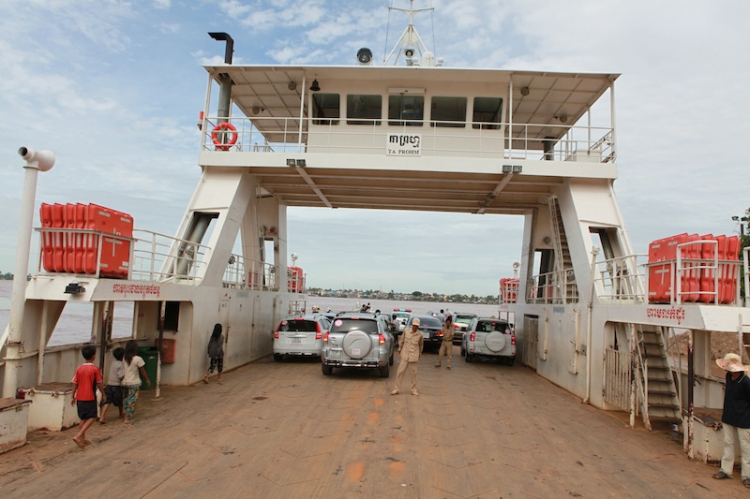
x,y
87,376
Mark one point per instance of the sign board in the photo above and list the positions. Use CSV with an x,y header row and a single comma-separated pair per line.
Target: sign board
x,y
403,144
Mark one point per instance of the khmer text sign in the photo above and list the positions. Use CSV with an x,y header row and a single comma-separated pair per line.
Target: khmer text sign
x,y
403,144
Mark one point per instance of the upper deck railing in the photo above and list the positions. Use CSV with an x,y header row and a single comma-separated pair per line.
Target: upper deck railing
x,y
438,138
151,257
625,280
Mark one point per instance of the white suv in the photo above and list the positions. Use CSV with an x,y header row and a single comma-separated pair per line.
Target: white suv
x,y
490,338
299,336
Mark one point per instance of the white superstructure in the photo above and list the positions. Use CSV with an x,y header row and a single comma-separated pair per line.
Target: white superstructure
x,y
538,144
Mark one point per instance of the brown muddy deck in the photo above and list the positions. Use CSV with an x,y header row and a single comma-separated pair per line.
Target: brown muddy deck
x,y
284,430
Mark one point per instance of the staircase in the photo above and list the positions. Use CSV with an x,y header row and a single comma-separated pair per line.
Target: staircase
x,y
562,252
658,394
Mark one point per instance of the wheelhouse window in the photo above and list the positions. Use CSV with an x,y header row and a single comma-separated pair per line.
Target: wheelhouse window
x,y
364,109
487,113
326,108
405,110
448,112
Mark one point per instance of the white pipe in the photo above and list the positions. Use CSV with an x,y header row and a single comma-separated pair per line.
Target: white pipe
x,y
589,326
35,161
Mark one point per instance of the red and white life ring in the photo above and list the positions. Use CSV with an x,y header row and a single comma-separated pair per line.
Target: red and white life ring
x,y
233,135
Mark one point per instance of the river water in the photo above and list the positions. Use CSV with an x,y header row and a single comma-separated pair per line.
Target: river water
x,y
74,325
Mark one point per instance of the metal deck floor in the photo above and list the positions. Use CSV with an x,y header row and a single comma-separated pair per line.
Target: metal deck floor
x,y
284,430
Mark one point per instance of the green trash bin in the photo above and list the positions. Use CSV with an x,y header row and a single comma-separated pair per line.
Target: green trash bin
x,y
150,356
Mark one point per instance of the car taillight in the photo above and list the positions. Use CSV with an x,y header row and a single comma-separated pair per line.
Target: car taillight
x,y
318,332
381,339
325,337
438,333
471,336
512,340
456,326
276,334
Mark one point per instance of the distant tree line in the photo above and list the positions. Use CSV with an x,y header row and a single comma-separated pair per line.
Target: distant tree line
x,y
394,295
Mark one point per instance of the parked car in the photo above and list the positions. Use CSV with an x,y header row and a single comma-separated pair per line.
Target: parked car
x,y
300,336
359,340
400,316
460,324
489,338
431,328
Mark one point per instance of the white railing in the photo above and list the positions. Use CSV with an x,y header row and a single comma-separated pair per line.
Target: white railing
x,y
688,280
508,290
154,260
681,280
250,274
290,134
557,287
151,257
618,374
621,279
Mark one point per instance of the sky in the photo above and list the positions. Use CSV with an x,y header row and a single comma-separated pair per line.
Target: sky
x,y
114,89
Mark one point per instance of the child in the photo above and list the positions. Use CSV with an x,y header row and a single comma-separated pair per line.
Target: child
x,y
113,390
215,353
131,381
84,396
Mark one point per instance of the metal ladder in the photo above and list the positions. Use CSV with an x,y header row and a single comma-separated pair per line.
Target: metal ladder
x,y
657,389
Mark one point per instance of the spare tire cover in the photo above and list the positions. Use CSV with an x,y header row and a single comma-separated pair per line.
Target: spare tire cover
x,y
357,344
495,341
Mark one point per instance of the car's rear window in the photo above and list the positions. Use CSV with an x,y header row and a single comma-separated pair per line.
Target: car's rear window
x,y
401,315
298,325
464,319
430,322
344,325
489,326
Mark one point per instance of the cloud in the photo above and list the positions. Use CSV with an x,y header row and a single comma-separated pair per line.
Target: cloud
x,y
114,88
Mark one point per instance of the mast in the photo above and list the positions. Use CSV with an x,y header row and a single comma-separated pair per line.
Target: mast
x,y
410,44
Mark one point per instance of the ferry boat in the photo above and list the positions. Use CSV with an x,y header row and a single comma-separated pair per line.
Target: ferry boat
x,y
408,134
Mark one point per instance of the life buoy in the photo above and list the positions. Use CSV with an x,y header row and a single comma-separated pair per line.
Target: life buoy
x,y
232,136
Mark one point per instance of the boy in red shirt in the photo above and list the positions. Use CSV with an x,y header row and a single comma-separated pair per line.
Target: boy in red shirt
x,y
86,378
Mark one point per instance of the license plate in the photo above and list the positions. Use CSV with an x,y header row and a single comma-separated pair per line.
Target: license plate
x,y
334,354
426,335
296,341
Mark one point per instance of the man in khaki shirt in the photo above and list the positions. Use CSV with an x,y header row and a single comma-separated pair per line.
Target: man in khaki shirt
x,y
446,347
410,346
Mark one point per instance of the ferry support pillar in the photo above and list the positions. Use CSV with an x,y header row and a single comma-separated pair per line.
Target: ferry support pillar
x,y
36,161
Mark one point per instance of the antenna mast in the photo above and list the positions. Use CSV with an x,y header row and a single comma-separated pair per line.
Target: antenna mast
x,y
409,39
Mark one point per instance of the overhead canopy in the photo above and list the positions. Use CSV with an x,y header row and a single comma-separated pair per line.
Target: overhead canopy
x,y
549,103
539,99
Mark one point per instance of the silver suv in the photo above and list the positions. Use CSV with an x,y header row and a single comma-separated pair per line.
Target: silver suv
x,y
358,339
460,325
490,338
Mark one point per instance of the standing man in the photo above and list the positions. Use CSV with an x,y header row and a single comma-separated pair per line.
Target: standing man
x,y
410,346
735,417
446,347
441,316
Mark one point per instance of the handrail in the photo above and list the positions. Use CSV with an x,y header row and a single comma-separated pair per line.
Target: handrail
x,y
620,280
292,134
552,287
153,259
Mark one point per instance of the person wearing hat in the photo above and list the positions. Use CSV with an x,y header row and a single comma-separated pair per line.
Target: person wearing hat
x,y
446,347
410,346
735,417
